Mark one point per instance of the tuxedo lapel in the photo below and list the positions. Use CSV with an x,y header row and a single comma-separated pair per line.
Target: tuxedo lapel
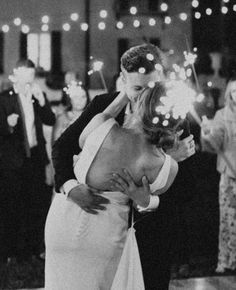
x,y
21,113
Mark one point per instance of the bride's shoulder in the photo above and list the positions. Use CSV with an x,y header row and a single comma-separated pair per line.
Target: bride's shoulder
x,y
97,121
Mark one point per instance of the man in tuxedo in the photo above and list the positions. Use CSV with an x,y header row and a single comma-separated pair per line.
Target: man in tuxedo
x,y
23,110
140,66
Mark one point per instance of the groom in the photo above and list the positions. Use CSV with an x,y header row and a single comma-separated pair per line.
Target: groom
x,y
148,58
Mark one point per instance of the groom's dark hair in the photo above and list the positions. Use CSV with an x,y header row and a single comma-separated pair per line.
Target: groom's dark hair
x,y
141,56
25,62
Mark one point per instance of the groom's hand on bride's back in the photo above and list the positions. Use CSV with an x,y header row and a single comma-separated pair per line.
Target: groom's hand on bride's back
x,y
88,198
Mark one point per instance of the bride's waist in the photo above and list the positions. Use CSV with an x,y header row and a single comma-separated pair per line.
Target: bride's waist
x,y
115,197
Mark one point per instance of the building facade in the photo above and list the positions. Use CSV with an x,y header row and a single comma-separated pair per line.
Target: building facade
x,y
61,42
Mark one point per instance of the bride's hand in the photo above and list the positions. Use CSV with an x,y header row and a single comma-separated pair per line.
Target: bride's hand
x,y
125,183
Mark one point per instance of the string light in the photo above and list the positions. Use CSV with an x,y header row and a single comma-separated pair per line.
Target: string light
x,y
74,16
45,27
158,67
152,22
155,120
195,3
224,10
119,24
66,26
84,26
151,84
25,29
197,15
5,28
45,19
103,13
136,23
133,10
17,21
167,20
165,123
183,16
101,25
208,11
150,56
164,7
141,70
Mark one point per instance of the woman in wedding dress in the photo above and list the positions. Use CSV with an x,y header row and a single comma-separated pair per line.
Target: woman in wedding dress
x,y
83,251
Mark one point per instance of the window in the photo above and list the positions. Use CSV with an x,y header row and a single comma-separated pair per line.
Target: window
x,y
39,49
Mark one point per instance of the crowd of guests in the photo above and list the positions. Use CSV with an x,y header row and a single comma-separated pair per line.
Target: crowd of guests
x,y
25,197
26,173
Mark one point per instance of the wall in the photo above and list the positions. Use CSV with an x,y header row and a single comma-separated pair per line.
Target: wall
x,y
103,43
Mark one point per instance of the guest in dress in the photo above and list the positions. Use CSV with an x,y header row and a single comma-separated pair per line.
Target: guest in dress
x,y
219,136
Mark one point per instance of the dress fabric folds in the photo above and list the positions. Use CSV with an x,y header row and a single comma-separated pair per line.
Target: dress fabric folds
x,y
91,252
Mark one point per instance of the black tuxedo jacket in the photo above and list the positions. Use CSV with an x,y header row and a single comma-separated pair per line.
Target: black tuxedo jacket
x,y
12,148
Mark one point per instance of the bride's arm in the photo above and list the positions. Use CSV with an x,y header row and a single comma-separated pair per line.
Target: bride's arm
x,y
111,111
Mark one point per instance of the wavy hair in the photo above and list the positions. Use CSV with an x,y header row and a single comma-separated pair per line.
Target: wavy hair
x,y
144,115
228,98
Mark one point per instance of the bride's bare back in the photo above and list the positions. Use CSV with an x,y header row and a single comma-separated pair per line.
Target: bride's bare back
x,y
124,149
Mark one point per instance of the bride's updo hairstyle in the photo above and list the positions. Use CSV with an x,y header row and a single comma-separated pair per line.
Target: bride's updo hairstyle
x,y
159,131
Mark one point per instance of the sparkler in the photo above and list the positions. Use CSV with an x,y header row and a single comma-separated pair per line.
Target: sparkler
x,y
190,58
74,89
97,66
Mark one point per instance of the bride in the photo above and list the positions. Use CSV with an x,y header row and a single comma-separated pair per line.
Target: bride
x,y
83,251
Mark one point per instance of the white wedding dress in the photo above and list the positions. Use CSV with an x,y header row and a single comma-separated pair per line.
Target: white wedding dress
x,y
93,252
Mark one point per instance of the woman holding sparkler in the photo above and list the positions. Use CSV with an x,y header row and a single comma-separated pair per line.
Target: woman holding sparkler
x,y
219,136
74,100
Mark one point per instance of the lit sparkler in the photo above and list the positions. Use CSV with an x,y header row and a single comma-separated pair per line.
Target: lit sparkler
x,y
74,89
97,67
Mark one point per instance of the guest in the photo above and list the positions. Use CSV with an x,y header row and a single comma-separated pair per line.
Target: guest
x,y
23,110
74,101
218,136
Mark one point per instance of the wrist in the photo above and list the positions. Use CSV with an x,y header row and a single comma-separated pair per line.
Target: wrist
x,y
153,204
145,203
68,186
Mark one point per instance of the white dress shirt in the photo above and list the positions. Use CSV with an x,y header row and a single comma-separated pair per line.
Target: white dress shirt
x,y
28,110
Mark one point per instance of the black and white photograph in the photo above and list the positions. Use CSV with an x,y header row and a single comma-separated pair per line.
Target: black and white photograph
x,y
118,144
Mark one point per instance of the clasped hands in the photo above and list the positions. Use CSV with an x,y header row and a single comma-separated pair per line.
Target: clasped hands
x,y
91,200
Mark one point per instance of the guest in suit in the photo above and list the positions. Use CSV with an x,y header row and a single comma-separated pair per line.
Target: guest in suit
x,y
135,81
23,110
